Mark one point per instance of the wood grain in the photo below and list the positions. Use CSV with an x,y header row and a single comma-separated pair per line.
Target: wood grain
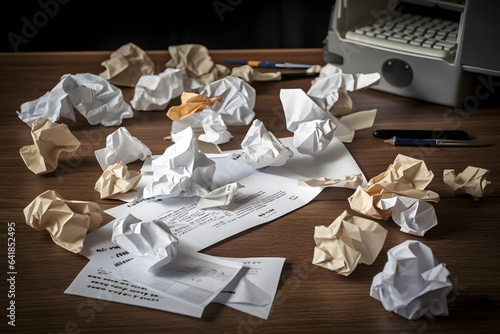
x,y
310,299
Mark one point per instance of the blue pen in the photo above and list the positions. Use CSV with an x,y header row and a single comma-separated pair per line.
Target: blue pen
x,y
433,142
266,64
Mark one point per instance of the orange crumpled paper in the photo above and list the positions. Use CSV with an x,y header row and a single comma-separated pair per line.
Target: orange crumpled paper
x,y
191,103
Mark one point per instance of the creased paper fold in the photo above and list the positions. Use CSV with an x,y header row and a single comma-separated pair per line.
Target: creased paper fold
x,y
221,197
413,282
348,241
351,181
50,139
67,221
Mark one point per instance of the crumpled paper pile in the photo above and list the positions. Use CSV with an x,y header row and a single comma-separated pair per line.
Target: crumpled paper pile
x,y
405,177
126,65
413,282
50,139
67,221
117,179
348,241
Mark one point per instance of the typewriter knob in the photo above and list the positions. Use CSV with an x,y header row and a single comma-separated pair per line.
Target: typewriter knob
x,y
397,72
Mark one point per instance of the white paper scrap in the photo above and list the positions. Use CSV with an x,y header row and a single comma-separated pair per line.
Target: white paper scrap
x,y
413,282
221,197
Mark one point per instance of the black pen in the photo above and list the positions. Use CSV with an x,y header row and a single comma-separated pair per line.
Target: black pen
x,y
421,134
434,142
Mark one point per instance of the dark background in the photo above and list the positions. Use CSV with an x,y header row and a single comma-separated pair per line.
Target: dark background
x,y
90,25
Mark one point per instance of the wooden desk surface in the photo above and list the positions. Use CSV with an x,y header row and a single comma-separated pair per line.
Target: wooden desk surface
x,y
310,299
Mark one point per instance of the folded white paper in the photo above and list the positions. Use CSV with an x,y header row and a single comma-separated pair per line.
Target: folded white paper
x,y
221,197
121,146
154,92
239,100
262,148
325,89
182,170
413,282
415,216
141,238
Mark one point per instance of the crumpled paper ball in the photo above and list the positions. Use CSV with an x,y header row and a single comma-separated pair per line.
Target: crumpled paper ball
x,y
117,179
413,282
50,139
66,221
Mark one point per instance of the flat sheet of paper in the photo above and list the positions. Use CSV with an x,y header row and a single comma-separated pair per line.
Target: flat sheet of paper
x,y
96,282
93,281
252,206
191,278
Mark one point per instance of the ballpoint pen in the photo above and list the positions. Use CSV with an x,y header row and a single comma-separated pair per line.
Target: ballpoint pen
x,y
421,134
434,142
267,64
